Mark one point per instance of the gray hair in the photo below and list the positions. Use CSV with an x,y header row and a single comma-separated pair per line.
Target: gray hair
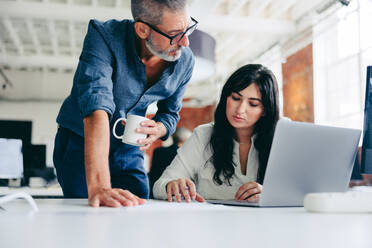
x,y
181,135
152,10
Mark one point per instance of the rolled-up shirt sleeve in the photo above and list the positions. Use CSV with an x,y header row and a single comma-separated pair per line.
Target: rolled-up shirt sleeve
x,y
168,109
93,77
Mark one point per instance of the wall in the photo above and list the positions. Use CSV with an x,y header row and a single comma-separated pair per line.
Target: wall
x,y
37,96
43,116
37,85
193,117
298,103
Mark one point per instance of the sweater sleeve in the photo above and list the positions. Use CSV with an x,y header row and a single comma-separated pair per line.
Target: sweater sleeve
x,y
186,164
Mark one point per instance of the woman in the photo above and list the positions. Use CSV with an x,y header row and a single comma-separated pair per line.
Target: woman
x,y
227,159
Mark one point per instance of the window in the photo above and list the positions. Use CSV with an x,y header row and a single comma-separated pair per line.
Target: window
x,y
342,50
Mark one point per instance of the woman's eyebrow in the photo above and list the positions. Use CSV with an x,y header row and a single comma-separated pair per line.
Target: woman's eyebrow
x,y
254,98
237,93
250,98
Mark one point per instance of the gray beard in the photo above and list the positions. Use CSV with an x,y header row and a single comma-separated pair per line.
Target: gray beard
x,y
161,54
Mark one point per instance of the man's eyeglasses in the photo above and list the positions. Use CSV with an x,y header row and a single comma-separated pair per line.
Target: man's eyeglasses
x,y
174,38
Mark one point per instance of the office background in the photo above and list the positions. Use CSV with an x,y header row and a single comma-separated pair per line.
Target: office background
x,y
318,50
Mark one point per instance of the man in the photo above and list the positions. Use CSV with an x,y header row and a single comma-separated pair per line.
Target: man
x,y
123,68
163,156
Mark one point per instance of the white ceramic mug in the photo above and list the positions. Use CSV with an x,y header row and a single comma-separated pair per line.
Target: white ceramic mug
x,y
130,136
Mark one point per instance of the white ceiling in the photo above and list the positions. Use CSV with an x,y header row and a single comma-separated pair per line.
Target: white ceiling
x,y
46,35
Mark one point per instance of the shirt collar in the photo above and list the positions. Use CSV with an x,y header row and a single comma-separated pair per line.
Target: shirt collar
x,y
253,137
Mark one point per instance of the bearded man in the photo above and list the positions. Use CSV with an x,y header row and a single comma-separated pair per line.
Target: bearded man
x,y
124,66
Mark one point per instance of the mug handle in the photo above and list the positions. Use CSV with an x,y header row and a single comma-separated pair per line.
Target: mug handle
x,y
113,128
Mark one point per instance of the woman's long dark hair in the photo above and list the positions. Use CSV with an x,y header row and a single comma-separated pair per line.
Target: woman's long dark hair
x,y
223,133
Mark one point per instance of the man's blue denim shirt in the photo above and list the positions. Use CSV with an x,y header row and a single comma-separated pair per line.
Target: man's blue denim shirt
x,y
111,77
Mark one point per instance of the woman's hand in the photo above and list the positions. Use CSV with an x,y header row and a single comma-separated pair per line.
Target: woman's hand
x,y
185,188
249,192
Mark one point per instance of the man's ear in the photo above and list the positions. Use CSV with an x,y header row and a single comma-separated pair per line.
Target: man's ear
x,y
142,30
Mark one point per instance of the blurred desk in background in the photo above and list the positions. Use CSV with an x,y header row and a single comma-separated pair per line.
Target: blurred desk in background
x,y
54,191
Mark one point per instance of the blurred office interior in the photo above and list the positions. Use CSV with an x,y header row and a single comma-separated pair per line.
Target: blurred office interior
x,y
318,50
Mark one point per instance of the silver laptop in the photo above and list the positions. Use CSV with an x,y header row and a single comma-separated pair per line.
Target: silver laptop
x,y
305,158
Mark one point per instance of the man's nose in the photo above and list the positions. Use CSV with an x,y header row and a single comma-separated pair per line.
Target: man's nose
x,y
184,41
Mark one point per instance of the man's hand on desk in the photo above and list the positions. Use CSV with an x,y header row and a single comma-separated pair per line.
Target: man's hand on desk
x,y
113,198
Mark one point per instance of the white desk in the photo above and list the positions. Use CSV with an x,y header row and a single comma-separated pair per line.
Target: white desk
x,y
71,223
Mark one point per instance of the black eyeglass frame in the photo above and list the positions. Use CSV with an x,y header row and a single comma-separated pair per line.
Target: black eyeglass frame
x,y
171,38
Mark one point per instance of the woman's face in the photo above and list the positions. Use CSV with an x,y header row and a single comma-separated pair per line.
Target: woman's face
x,y
244,108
